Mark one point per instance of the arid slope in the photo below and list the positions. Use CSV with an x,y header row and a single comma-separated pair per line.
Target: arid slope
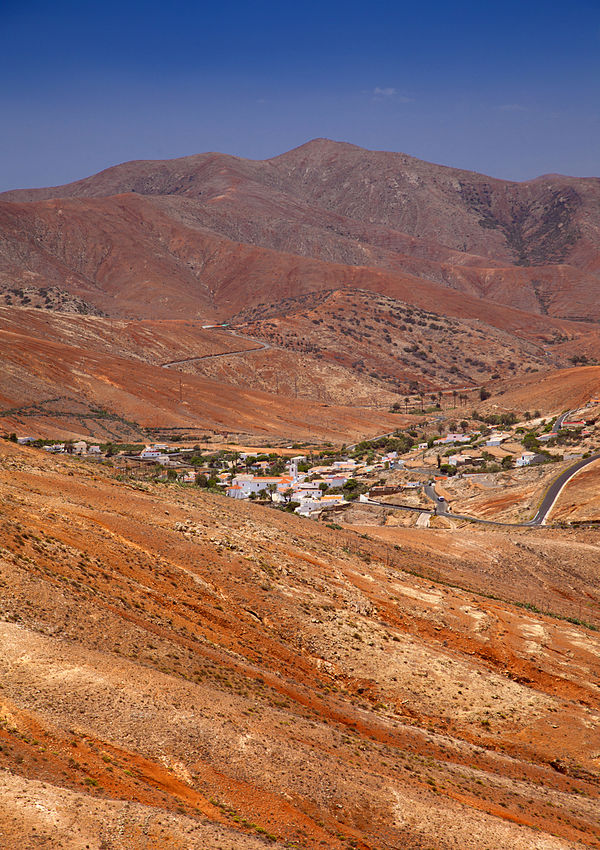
x,y
332,206
67,375
188,672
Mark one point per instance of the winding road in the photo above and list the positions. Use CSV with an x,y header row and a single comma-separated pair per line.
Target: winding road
x,y
559,421
440,504
548,501
262,346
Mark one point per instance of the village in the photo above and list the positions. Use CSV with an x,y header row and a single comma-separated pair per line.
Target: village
x,y
321,480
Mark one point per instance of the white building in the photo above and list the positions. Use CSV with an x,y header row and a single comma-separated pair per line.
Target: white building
x,y
150,453
344,465
243,486
304,489
452,438
307,506
525,459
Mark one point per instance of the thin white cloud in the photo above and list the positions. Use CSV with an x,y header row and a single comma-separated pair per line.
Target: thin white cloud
x,y
387,93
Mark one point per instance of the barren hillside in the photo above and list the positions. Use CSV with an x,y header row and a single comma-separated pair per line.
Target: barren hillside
x,y
532,245
70,375
180,670
401,345
555,392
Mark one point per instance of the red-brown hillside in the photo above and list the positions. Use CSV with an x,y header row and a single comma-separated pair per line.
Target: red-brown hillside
x,y
533,245
180,670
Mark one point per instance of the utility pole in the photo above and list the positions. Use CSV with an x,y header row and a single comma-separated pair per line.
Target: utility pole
x,y
180,395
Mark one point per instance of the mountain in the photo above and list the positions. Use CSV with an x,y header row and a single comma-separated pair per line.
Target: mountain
x,y
184,670
184,224
356,275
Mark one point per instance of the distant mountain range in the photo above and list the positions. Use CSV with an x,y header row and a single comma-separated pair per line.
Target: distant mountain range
x,y
211,235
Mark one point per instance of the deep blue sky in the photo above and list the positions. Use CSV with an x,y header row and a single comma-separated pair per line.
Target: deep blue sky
x,y
508,88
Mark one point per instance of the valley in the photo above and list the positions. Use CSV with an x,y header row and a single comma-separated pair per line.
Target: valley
x,y
254,416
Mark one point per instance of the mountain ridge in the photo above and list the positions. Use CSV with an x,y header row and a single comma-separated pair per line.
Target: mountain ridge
x,y
339,202
310,145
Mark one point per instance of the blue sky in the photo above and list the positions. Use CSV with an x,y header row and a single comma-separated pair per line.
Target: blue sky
x,y
508,88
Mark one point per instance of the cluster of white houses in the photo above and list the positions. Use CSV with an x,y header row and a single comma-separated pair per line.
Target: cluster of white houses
x,y
498,444
294,486
309,489
79,447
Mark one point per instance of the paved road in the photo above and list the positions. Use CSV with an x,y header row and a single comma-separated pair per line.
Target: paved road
x,y
261,346
555,488
559,421
550,496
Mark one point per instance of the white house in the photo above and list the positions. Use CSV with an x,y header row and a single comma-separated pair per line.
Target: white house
x,y
303,489
335,480
452,438
243,486
525,459
311,504
333,499
150,453
307,506
344,465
